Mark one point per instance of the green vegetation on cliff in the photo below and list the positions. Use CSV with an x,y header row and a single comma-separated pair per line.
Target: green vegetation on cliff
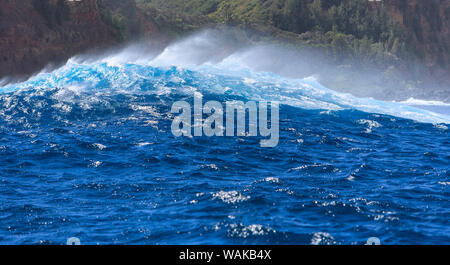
x,y
396,36
112,19
346,28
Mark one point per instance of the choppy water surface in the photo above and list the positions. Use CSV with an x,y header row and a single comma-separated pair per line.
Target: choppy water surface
x,y
87,151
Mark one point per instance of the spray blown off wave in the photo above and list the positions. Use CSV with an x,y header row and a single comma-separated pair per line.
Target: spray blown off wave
x,y
201,63
87,152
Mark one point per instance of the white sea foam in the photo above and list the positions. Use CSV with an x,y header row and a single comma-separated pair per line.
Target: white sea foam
x,y
370,125
99,146
323,238
230,197
421,102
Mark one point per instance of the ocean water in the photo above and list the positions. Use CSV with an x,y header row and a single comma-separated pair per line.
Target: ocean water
x,y
87,151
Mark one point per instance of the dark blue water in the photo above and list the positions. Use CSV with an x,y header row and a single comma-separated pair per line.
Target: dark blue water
x,y
87,152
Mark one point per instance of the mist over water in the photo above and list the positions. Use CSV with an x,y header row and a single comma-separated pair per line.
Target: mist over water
x,y
87,152
268,72
214,46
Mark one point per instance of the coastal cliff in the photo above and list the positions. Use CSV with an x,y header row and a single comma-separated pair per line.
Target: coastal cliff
x,y
427,24
34,33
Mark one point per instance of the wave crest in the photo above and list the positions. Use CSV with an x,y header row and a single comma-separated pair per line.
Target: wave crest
x,y
202,64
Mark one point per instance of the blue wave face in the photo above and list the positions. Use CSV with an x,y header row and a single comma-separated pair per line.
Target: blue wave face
x,y
87,152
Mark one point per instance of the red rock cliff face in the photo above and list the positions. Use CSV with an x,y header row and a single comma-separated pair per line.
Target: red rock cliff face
x,y
36,32
428,23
